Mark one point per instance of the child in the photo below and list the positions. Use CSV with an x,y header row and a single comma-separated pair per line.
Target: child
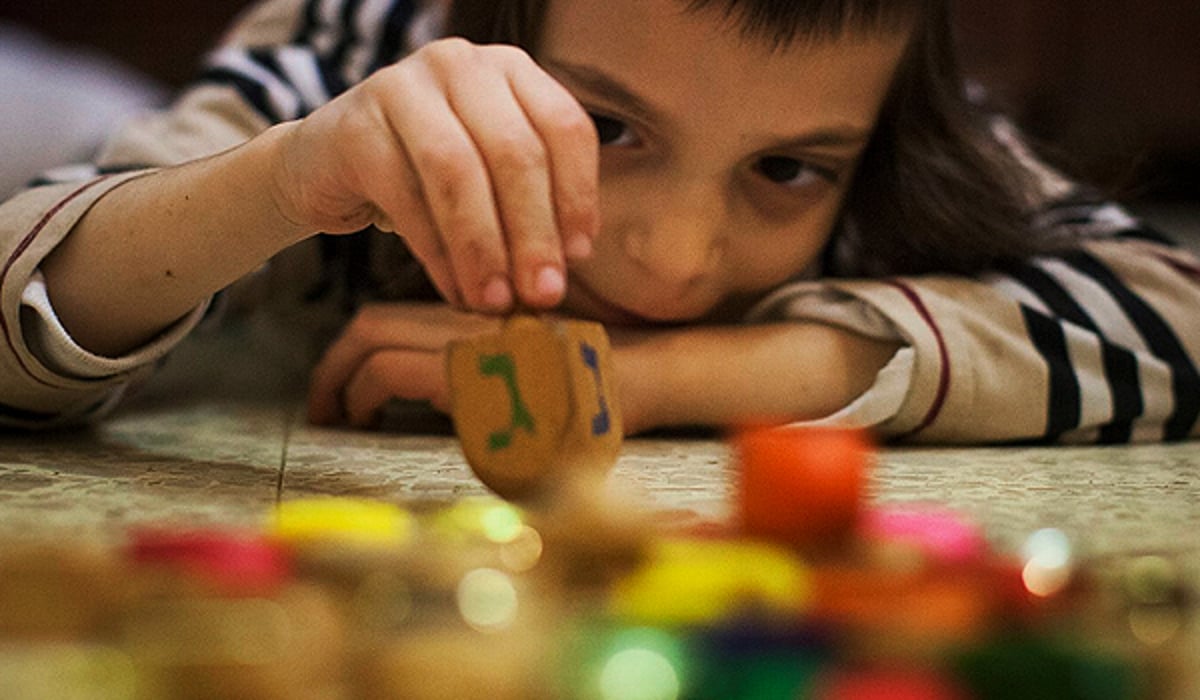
x,y
781,211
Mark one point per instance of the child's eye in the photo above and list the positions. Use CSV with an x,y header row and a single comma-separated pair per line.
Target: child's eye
x,y
612,132
790,172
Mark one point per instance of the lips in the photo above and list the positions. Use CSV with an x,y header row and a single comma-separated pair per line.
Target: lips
x,y
589,302
601,309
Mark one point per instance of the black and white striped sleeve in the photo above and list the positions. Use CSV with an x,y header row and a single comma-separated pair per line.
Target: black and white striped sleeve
x,y
282,59
1099,343
313,51
1116,324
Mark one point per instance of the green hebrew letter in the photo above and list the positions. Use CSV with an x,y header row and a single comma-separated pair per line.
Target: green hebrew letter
x,y
504,367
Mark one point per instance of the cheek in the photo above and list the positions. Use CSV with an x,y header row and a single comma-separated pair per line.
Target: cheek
x,y
770,257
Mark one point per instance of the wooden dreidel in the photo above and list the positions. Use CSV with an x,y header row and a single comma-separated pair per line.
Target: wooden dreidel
x,y
535,402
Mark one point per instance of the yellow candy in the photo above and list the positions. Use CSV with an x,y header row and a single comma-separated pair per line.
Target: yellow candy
x,y
694,582
486,517
354,521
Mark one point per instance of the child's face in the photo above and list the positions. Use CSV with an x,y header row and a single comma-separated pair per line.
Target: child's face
x,y
723,163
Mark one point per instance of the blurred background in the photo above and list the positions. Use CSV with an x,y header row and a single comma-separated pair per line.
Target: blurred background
x,y
1112,84
1110,88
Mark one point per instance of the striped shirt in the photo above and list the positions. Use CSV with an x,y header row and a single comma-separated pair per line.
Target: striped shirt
x,y
1099,344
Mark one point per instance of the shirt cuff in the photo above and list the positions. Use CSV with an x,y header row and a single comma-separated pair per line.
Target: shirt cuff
x,y
882,401
50,342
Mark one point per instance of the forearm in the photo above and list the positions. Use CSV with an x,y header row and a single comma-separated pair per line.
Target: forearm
x,y
724,376
154,248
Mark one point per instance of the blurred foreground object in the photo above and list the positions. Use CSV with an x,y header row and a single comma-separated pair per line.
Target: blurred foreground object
x,y
801,486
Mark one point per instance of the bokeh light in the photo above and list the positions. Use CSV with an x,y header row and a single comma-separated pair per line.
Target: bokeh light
x,y
524,551
1151,580
1154,625
479,517
639,674
487,600
501,522
642,663
1048,561
1152,585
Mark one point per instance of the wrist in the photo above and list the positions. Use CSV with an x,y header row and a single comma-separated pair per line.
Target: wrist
x,y
722,376
640,377
266,153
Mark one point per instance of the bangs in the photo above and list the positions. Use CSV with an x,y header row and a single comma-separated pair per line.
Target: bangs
x,y
783,23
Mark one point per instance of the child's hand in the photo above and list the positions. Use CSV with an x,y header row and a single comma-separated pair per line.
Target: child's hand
x,y
389,351
485,165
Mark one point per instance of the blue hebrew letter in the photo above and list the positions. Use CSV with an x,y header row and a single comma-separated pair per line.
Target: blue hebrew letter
x,y
600,421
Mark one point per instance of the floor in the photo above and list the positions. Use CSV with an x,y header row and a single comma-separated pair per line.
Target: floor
x,y
221,444
201,445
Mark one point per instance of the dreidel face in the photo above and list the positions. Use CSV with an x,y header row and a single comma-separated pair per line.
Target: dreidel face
x,y
594,431
533,401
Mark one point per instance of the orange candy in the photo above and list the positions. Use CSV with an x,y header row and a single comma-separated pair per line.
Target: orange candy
x,y
799,485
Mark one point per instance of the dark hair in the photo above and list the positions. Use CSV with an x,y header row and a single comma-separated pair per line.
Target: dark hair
x,y
936,190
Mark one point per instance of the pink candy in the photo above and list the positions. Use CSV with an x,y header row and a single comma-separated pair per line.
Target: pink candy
x,y
943,535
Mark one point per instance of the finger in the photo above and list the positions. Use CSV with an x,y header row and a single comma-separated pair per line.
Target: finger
x,y
519,170
570,139
457,192
400,199
362,336
424,327
392,373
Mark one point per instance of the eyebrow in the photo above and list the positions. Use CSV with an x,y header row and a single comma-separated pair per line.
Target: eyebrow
x,y
596,81
601,83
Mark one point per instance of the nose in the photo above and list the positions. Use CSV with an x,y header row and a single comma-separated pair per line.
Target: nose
x,y
676,236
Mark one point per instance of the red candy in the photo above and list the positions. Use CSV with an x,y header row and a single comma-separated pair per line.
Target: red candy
x,y
888,684
799,485
235,564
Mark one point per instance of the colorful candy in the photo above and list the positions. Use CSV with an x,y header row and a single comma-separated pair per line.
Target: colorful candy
x,y
939,533
698,582
811,595
801,486
232,563
344,520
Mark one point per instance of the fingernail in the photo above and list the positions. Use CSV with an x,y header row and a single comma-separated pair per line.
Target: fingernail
x,y
549,282
496,294
578,246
